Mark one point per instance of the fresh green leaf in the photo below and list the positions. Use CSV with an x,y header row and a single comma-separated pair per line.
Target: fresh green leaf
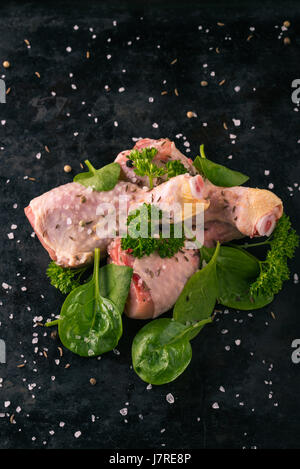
x,y
146,220
114,283
198,297
175,168
217,174
236,271
89,324
274,269
103,179
161,350
65,279
144,166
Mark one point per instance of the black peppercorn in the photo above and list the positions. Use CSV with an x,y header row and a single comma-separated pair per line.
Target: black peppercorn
x,y
129,163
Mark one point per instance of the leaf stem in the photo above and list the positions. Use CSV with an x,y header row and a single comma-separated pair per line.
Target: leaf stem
x,y
96,271
51,323
90,166
202,151
247,245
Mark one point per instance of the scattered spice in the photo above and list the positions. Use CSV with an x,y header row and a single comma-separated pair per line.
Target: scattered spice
x,y
37,74
217,50
203,83
190,114
176,91
286,41
53,335
273,315
286,24
60,351
67,365
6,64
8,90
93,381
47,149
249,37
222,82
163,93
173,62
87,54
67,168
27,42
21,366
220,24
225,126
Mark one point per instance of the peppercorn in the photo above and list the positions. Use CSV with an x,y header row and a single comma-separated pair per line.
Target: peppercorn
x,y
129,163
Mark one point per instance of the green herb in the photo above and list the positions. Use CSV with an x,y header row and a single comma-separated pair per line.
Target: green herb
x,y
198,297
103,179
64,279
161,350
143,165
274,269
90,324
236,271
142,225
175,168
245,282
217,174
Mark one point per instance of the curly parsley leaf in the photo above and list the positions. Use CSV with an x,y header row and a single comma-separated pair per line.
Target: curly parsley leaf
x,y
175,168
145,234
144,166
64,279
274,269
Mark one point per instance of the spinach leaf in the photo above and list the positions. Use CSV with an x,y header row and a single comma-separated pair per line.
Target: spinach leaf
x,y
161,350
217,174
198,297
114,283
103,179
236,271
89,323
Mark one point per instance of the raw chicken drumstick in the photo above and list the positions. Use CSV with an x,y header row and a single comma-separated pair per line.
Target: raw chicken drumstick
x,y
152,278
67,218
247,211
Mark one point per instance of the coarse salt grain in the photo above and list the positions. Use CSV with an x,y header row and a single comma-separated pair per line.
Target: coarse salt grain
x,y
170,398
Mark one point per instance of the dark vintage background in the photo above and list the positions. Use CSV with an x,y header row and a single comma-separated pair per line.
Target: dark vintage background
x,y
234,394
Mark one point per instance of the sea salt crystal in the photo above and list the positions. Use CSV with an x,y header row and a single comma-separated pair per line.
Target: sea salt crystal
x,y
170,398
124,411
215,405
77,434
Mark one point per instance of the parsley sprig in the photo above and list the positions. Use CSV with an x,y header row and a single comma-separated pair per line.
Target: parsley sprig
x,y
63,278
274,268
150,217
144,166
